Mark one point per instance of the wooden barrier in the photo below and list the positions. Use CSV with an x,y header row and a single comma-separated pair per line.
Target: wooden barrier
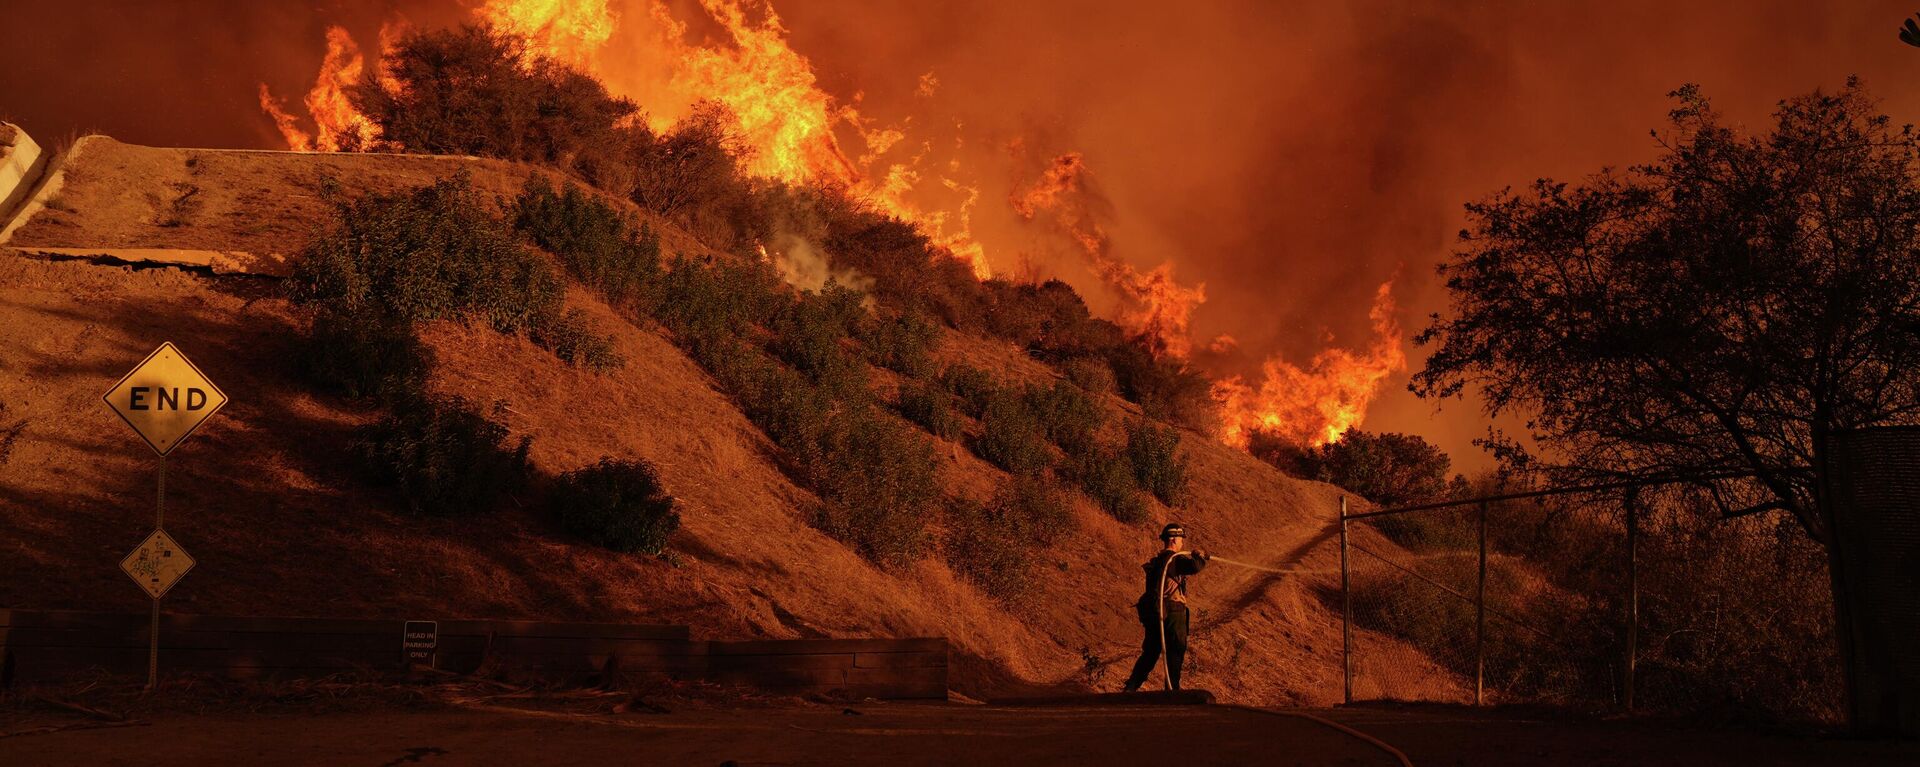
x,y
39,646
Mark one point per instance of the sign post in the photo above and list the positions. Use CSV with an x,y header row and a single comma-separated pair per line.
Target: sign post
x,y
164,399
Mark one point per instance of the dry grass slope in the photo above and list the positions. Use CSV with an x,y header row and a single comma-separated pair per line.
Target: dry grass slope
x,y
268,501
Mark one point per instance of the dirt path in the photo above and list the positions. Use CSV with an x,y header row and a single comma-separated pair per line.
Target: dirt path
x,y
892,734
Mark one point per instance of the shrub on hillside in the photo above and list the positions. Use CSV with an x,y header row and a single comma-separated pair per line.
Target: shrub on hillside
x,y
444,457
792,411
910,273
618,505
811,332
1035,508
429,253
974,387
478,91
878,487
575,339
902,343
993,545
1108,480
1089,373
364,355
700,299
1047,319
932,408
1011,436
1165,389
1154,454
1066,414
1282,452
691,175
597,244
985,554
1387,468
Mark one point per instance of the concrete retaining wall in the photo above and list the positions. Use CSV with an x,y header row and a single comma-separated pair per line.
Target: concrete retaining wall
x,y
38,646
21,163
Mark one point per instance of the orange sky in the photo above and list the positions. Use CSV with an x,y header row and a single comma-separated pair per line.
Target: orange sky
x,y
1288,155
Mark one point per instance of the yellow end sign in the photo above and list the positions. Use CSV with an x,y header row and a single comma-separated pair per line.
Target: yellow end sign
x,y
157,564
165,398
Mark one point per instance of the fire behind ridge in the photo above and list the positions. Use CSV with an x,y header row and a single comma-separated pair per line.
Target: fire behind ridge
x,y
794,131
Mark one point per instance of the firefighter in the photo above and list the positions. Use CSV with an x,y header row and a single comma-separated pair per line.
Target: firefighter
x,y
1163,606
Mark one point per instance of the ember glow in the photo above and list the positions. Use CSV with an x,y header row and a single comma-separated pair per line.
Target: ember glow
x,y
790,129
1316,404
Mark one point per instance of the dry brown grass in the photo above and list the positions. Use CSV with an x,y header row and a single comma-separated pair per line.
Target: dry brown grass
x,y
268,500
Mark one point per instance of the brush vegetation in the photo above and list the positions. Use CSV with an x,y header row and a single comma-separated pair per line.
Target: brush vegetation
x,y
616,504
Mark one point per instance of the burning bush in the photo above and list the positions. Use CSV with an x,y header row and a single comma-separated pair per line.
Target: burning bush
x,y
1386,468
597,244
909,273
444,457
619,505
1154,454
691,175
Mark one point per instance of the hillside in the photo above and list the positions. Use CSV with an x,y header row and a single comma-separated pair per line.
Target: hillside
x,y
268,500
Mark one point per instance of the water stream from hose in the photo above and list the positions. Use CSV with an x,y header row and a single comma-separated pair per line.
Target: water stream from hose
x,y
1275,570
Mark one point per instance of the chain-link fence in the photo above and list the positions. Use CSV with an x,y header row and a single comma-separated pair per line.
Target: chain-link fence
x,y
1603,597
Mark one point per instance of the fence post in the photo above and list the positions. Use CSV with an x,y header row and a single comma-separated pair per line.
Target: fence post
x,y
1633,594
1346,611
1480,617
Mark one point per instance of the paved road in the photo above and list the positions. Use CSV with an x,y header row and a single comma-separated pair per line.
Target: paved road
x,y
912,734
1450,736
882,734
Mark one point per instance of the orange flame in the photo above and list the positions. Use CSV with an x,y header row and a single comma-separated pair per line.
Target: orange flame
x,y
1155,304
789,130
785,122
338,126
567,31
298,140
1316,405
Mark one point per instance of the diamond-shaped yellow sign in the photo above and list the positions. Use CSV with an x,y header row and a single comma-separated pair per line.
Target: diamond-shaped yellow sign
x,y
165,398
157,564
